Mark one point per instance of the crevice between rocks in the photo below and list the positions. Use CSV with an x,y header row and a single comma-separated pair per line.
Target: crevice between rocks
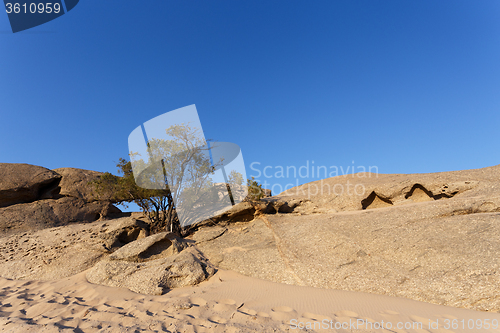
x,y
417,193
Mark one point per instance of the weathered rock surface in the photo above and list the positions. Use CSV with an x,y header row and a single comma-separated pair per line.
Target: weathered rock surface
x,y
20,183
436,240
152,266
52,213
32,197
369,190
75,183
248,248
55,253
118,252
276,205
160,245
120,232
246,211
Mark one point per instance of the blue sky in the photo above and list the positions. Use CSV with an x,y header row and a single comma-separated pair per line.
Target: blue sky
x,y
407,86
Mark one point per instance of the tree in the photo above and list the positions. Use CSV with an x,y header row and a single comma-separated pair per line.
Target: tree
x,y
173,185
255,190
235,178
176,171
156,204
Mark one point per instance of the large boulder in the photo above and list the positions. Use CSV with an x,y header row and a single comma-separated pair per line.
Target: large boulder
x,y
244,211
33,197
76,183
122,231
21,183
52,213
163,244
152,265
275,205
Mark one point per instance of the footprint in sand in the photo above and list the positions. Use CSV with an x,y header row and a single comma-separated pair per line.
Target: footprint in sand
x,y
217,319
198,301
390,315
419,319
282,309
248,311
389,312
346,313
116,304
225,305
79,290
37,309
345,316
283,313
181,316
447,316
45,320
55,310
227,301
57,299
316,317
46,288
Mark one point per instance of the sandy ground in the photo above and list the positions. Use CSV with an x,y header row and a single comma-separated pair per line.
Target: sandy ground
x,y
228,302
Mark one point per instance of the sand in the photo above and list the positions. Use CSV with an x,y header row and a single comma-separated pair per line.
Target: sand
x,y
228,302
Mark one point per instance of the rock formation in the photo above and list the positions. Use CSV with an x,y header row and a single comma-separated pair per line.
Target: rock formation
x,y
118,252
20,183
428,237
75,183
33,197
152,266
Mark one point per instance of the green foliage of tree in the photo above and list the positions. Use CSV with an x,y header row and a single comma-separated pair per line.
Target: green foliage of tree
x,y
255,190
156,204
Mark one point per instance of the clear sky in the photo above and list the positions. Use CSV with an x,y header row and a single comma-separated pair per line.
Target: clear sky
x,y
407,86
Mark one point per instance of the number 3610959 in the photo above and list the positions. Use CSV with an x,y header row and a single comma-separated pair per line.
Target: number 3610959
x,y
33,8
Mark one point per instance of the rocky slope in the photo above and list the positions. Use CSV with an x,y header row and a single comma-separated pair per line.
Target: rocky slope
x,y
427,237
118,253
